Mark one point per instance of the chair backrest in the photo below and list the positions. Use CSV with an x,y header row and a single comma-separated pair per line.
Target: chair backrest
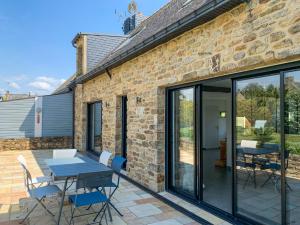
x,y
22,160
275,147
104,157
28,178
248,144
94,180
117,163
64,153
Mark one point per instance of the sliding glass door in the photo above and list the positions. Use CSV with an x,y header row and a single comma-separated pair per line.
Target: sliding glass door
x,y
182,141
292,145
95,127
258,153
267,148
236,148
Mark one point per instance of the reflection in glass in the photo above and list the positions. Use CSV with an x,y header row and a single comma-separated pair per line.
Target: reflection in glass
x,y
292,143
182,140
258,149
95,127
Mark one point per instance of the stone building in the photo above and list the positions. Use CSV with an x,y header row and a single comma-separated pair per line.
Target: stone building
x,y
167,96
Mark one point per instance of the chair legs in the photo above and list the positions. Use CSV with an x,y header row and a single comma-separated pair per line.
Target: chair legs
x,y
115,209
72,216
33,208
249,177
39,201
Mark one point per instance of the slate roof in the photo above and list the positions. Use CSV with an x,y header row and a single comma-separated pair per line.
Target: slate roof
x,y
165,16
164,24
99,46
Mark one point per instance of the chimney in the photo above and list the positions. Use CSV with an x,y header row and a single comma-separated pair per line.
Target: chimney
x,y
132,22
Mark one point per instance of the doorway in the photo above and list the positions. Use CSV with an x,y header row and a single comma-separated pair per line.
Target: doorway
x,y
200,143
233,145
124,126
216,144
94,140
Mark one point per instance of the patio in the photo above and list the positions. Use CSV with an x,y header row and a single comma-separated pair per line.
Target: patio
x,y
137,206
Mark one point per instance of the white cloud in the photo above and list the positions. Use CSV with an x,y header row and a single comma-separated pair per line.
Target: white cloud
x,y
46,83
2,91
41,85
14,85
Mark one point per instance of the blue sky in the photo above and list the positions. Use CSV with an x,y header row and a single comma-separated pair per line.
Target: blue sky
x,y
35,38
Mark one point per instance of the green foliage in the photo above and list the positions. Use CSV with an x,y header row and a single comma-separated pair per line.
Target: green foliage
x,y
187,132
264,135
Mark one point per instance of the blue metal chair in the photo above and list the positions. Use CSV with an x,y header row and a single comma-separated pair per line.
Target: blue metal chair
x,y
38,193
248,166
117,165
261,161
92,181
276,167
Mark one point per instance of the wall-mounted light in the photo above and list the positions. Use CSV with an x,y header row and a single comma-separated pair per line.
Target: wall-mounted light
x,y
138,100
223,114
107,104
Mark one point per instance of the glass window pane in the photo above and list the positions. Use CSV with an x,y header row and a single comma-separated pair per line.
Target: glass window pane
x,y
292,144
258,149
216,144
97,126
183,144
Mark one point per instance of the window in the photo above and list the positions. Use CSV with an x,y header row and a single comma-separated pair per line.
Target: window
x,y
95,127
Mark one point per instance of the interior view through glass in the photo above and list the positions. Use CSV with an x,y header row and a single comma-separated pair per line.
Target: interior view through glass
x,y
216,144
94,127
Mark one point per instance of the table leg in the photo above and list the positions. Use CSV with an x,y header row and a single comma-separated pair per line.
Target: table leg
x,y
62,202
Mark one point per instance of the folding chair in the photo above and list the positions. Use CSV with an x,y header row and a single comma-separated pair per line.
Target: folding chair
x,y
116,165
92,181
64,153
36,181
38,193
104,157
276,167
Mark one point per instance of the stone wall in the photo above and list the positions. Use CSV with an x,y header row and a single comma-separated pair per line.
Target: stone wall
x,y
257,34
11,144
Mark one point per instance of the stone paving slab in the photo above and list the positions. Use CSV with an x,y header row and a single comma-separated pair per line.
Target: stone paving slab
x,y
137,206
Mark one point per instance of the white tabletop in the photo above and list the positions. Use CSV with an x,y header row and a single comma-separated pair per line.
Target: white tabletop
x,y
64,161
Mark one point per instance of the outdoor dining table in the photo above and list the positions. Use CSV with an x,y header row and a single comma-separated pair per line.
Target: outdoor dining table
x,y
253,153
69,168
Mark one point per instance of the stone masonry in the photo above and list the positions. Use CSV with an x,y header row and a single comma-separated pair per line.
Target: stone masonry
x,y
36,143
257,34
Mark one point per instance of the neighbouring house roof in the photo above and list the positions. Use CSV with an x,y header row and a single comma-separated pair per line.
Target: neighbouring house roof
x,y
98,47
10,97
168,22
64,87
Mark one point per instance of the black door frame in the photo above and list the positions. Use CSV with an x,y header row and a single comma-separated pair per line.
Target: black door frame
x,y
278,69
124,126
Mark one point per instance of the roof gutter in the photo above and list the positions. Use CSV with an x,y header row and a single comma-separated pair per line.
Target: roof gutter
x,y
200,16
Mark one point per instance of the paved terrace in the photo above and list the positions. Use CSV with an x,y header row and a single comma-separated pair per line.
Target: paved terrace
x,y
138,206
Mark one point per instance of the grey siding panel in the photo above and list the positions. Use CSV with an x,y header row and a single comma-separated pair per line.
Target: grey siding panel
x,y
17,118
58,115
